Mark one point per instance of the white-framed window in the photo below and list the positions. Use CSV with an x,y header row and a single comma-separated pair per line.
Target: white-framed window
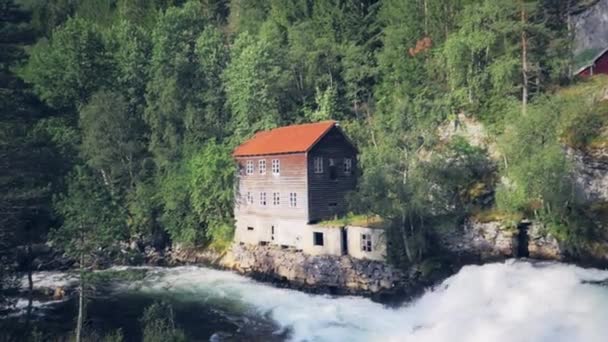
x,y
318,164
249,168
276,166
262,166
293,200
366,242
249,197
276,198
262,198
348,165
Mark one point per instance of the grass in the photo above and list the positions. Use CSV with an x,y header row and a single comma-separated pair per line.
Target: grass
x,y
585,124
493,214
351,219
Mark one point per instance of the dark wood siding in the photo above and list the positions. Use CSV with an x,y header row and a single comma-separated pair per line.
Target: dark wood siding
x,y
292,178
327,196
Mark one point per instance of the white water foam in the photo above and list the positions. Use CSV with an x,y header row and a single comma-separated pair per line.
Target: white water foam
x,y
502,302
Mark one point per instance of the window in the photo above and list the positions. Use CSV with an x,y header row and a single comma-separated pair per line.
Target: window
x,y
366,242
249,167
318,164
276,166
332,169
249,198
262,198
262,166
348,165
249,228
317,238
276,198
293,199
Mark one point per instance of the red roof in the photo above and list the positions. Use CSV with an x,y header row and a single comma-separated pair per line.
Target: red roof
x,y
288,139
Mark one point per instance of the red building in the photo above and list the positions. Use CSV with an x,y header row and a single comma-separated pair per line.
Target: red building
x,y
598,65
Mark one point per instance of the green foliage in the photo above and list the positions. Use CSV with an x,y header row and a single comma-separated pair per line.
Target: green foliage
x,y
252,86
149,98
111,139
91,219
158,324
198,198
212,177
70,66
28,164
536,174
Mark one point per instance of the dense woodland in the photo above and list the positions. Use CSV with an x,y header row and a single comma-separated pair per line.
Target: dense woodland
x,y
118,117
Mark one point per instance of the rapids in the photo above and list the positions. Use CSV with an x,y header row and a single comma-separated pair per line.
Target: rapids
x,y
502,302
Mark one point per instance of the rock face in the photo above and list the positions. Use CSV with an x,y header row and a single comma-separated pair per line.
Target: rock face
x,y
325,272
590,174
487,240
542,245
591,28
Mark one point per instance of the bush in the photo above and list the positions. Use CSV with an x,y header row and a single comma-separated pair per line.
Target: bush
x,y
159,326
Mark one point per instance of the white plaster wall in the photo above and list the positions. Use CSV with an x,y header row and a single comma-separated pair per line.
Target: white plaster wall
x,y
298,234
261,230
332,241
378,243
289,232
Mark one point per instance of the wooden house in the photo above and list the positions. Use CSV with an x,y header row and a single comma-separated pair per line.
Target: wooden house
x,y
290,178
597,65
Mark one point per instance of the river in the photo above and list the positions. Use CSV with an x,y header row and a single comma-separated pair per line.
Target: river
x,y
501,302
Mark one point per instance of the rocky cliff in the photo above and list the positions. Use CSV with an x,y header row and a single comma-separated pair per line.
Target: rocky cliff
x,y
591,28
590,173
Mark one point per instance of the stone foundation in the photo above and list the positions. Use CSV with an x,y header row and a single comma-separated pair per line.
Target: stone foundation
x,y
312,273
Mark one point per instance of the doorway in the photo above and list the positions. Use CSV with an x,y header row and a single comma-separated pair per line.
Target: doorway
x,y
344,233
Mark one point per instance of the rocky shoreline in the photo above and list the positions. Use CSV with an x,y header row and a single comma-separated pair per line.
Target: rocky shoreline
x,y
337,275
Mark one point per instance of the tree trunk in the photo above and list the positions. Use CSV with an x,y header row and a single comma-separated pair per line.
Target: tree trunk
x,y
406,244
570,41
524,60
80,300
30,286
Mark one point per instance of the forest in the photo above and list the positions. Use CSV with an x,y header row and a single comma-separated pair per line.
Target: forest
x,y
118,117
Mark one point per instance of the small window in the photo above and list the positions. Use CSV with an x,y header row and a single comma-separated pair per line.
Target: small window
x,y
366,242
262,166
332,204
249,198
249,167
317,238
318,164
276,167
293,200
348,166
249,228
262,198
332,169
276,198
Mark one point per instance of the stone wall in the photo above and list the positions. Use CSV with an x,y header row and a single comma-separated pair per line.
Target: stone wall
x,y
486,240
341,274
314,273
